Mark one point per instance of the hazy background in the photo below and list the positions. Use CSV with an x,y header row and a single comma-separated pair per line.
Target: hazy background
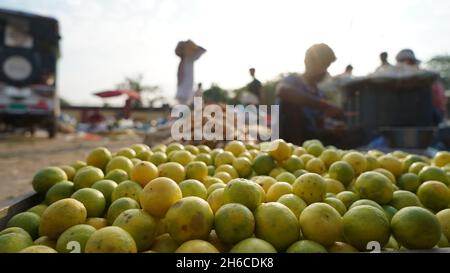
x,y
104,41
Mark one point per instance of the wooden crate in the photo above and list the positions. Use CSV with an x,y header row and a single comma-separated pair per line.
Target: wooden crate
x,y
371,104
14,206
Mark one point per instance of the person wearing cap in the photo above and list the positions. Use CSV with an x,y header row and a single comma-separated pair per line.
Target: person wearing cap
x,y
407,57
302,104
439,101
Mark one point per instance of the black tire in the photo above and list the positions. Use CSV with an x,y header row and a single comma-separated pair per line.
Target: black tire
x,y
27,55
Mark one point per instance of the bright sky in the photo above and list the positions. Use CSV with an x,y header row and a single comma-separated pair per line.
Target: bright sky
x,y
105,40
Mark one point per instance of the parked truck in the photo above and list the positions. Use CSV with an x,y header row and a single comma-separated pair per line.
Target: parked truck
x,y
29,51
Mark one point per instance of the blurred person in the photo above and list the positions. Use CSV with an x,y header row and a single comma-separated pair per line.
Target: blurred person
x,y
331,87
384,61
188,52
407,57
127,108
439,102
348,71
199,91
302,105
96,117
255,86
95,120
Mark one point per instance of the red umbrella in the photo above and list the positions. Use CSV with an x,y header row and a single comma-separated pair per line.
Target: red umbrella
x,y
115,93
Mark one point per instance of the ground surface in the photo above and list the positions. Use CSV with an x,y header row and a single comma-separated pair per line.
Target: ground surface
x,y
21,157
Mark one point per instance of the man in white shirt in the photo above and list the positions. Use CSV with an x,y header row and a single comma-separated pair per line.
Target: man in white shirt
x,y
188,52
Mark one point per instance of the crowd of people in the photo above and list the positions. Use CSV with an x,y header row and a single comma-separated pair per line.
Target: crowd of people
x,y
303,107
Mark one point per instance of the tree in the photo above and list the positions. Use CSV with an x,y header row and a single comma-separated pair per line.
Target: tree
x,y
216,94
237,94
269,91
441,64
135,83
63,102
